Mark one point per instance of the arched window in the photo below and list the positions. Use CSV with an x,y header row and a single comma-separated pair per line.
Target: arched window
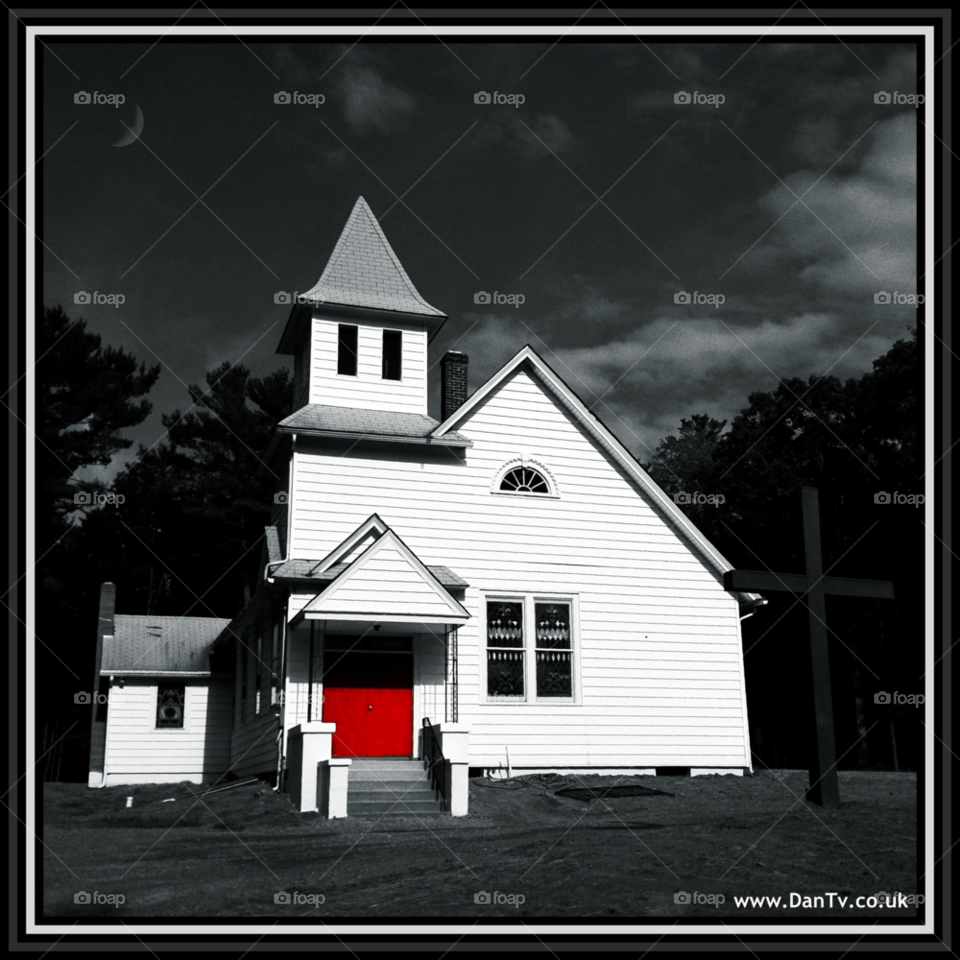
x,y
524,479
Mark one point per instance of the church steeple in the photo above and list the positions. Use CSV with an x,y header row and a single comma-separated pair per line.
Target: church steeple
x,y
363,270
359,335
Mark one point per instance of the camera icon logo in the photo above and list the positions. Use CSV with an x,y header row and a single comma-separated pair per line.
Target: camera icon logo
x,y
281,496
881,97
482,97
83,497
682,297
481,897
282,97
882,497
282,297
681,496
282,897
81,97
881,297
82,297
682,897
882,697
681,97
82,697
82,897
481,297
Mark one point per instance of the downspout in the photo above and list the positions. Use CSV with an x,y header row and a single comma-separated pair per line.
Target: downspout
x,y
282,714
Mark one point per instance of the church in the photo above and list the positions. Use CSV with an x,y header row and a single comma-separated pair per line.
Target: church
x,y
504,590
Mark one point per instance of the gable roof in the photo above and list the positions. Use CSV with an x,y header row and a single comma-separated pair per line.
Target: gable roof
x,y
325,420
363,271
387,582
528,359
147,645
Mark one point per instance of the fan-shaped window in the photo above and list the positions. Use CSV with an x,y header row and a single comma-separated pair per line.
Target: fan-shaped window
x,y
524,480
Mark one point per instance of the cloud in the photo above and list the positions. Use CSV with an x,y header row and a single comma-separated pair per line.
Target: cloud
x,y
369,103
861,234
534,138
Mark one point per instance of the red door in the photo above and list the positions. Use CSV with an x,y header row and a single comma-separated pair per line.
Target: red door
x,y
368,694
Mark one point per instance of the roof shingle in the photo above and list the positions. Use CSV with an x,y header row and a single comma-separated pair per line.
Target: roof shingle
x,y
363,271
324,419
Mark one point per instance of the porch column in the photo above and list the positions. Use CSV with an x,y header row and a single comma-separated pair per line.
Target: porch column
x,y
308,744
455,747
332,776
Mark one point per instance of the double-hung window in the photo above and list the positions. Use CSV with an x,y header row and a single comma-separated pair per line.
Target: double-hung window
x,y
530,652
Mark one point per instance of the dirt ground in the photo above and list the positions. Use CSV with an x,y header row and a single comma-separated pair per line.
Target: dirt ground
x,y
534,854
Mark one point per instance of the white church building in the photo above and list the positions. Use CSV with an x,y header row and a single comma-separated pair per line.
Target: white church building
x,y
503,589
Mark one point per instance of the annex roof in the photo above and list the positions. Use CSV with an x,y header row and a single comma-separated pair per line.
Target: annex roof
x,y
147,645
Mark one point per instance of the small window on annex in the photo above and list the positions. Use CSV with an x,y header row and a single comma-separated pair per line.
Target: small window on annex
x,y
170,699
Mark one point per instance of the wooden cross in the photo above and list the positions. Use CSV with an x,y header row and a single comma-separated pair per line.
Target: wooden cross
x,y
814,587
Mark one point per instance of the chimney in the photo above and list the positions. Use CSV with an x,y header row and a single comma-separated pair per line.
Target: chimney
x,y
453,383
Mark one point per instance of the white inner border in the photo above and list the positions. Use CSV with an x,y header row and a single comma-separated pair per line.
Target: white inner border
x,y
34,33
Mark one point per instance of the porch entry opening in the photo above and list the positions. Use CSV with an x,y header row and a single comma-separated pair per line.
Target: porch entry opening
x,y
368,694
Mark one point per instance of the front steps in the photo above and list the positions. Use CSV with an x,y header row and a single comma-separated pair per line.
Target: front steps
x,y
376,787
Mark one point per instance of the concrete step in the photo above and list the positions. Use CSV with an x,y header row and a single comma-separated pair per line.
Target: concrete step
x,y
362,808
392,795
398,787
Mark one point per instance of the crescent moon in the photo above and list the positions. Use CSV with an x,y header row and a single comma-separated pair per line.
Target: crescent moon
x,y
131,133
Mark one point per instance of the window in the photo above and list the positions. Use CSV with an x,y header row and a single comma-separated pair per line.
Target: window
x,y
504,649
170,707
392,354
530,649
524,477
553,651
347,349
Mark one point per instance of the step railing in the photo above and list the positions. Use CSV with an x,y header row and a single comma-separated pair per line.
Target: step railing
x,y
434,762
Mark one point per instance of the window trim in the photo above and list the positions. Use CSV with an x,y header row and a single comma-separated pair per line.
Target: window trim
x,y
356,356
532,464
529,599
383,332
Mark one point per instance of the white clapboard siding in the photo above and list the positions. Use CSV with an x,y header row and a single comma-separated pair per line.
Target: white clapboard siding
x,y
368,389
136,748
660,666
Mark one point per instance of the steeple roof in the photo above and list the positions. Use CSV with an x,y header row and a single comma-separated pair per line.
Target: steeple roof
x,y
363,270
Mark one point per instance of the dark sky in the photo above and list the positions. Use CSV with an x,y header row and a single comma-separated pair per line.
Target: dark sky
x,y
501,198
